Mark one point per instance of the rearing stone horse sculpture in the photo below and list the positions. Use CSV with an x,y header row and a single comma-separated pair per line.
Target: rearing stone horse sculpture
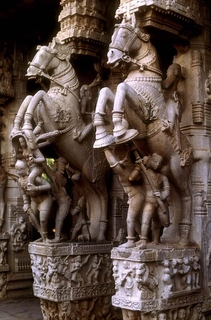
x,y
58,121
139,103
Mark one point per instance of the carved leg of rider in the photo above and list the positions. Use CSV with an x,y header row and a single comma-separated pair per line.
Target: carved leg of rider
x,y
146,225
131,234
64,207
35,172
133,223
44,226
76,230
156,229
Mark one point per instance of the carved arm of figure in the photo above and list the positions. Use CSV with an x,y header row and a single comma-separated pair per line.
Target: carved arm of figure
x,y
26,202
165,192
37,157
42,187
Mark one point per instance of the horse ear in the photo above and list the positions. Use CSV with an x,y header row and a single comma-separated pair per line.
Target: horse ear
x,y
38,47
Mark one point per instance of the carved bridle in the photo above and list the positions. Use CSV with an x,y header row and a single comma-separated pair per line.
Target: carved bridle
x,y
135,33
41,71
46,62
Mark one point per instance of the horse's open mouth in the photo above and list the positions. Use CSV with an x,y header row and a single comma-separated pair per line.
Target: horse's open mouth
x,y
31,77
116,64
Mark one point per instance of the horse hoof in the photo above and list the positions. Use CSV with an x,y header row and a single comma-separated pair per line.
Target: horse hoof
x,y
104,142
129,135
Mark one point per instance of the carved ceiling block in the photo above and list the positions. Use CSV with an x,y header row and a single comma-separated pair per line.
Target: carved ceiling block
x,y
83,24
180,17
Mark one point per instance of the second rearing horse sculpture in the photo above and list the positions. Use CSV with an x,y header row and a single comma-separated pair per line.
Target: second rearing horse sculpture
x,y
139,111
54,117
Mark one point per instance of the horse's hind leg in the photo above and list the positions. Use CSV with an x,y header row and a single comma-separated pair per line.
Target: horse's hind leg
x,y
103,139
181,182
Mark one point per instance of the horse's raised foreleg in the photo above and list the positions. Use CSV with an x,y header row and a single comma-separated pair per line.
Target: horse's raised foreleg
x,y
121,132
20,115
106,98
39,96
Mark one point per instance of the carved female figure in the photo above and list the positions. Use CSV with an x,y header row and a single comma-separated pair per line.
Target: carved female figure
x,y
34,158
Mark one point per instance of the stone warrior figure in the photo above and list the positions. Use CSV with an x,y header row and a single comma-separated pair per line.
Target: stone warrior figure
x,y
35,197
58,183
157,190
135,195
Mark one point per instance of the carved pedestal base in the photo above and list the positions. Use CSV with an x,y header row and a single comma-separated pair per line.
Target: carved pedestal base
x,y
158,283
73,280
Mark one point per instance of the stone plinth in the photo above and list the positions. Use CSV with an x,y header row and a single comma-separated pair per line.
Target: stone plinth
x,y
157,280
71,271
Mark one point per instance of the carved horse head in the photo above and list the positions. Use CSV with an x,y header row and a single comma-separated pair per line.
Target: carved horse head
x,y
127,39
48,58
43,61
